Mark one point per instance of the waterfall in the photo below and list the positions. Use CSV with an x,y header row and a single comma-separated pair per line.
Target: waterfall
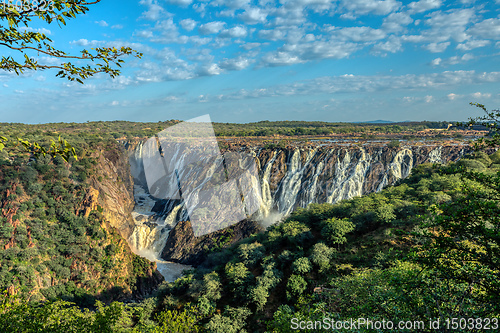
x,y
151,232
289,178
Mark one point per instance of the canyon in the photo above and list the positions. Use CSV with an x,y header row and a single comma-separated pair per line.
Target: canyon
x,y
288,177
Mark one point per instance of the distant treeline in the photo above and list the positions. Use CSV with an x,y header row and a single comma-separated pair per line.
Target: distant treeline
x,y
128,130
293,128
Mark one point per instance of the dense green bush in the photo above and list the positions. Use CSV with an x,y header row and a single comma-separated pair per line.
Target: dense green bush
x,y
334,230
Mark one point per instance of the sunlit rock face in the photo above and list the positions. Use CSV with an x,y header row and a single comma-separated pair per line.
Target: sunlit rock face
x,y
287,179
292,178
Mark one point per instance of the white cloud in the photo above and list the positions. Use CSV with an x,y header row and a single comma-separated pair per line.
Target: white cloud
x,y
449,25
39,30
102,23
211,27
117,26
452,96
168,33
234,32
253,15
182,3
488,29
436,62
200,40
275,34
363,7
395,22
424,5
358,83
88,43
249,46
392,45
361,34
209,70
154,12
188,24
231,4
473,44
437,47
479,95
299,53
235,64
452,60
145,34
281,58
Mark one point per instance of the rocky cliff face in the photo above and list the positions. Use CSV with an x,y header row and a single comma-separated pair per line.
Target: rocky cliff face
x,y
113,185
292,177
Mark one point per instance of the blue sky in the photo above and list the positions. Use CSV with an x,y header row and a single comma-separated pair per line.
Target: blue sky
x,y
247,60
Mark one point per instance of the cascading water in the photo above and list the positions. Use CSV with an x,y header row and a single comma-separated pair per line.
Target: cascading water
x,y
289,178
151,232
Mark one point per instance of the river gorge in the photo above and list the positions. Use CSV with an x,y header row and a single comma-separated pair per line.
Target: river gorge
x,y
288,178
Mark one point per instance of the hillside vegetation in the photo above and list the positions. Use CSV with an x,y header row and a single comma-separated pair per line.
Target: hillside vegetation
x,y
125,129
54,239
424,249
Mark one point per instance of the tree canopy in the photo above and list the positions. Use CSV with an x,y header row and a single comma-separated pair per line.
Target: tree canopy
x,y
28,44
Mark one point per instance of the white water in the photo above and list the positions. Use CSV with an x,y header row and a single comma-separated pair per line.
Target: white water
x,y
151,232
314,177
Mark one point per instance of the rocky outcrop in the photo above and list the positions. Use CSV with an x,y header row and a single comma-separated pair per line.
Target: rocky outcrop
x,y
114,185
183,247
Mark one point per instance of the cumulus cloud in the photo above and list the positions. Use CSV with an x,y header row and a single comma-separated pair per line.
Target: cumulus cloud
x,y
452,96
303,52
424,5
452,60
154,12
363,7
396,22
167,32
235,64
392,45
249,46
182,3
102,23
437,47
487,29
361,34
281,58
479,95
349,83
448,25
275,34
231,4
253,15
234,32
211,27
39,30
188,24
436,62
473,44
209,70
88,43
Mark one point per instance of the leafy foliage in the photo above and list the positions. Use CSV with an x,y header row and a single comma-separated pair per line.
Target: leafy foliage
x,y
32,43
